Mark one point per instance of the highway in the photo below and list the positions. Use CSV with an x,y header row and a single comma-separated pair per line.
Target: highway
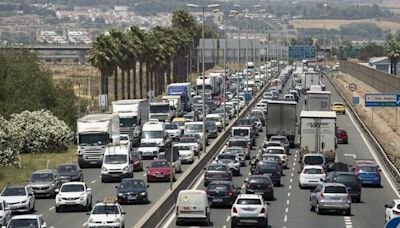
x,y
291,206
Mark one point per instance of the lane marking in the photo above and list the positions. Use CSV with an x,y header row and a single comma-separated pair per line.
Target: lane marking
x,y
286,210
285,219
244,185
51,208
199,181
224,226
228,218
145,174
293,168
347,222
84,224
291,180
93,181
287,202
288,195
291,174
373,152
350,155
290,186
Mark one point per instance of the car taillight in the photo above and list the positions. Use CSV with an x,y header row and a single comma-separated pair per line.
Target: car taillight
x,y
378,173
322,195
262,211
247,185
396,212
359,185
229,193
269,186
349,196
234,210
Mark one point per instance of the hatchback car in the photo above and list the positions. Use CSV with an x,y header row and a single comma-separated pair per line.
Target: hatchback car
x,y
137,161
222,193
237,151
212,129
70,172
107,212
392,210
27,221
330,196
173,130
270,168
44,182
261,185
312,159
338,107
240,142
160,170
311,176
368,173
20,198
349,179
217,171
283,139
273,157
341,136
132,190
249,210
232,160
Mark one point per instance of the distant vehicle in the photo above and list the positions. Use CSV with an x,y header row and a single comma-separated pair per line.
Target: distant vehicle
x,y
44,182
260,185
132,190
27,221
180,121
353,184
368,173
270,168
193,141
217,171
232,160
278,150
341,136
250,210
338,107
313,159
196,128
148,148
311,176
173,130
185,151
283,139
237,150
240,142
273,157
160,170
70,172
222,193
117,164
125,140
330,196
192,206
392,210
107,212
20,198
212,129
74,195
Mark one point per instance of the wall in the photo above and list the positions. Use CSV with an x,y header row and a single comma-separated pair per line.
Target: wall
x,y
383,82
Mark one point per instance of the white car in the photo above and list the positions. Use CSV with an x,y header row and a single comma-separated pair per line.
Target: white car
x,y
250,210
262,106
280,150
237,150
107,214
173,130
217,119
125,140
74,194
311,176
20,198
392,210
232,160
186,152
27,221
148,148
5,212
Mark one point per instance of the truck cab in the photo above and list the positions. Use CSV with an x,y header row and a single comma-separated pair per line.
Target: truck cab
x,y
154,130
162,111
117,163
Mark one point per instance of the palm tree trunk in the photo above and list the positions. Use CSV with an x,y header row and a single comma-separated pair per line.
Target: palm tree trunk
x,y
106,83
134,95
128,82
162,79
148,78
123,83
169,73
102,82
154,82
175,70
141,79
116,84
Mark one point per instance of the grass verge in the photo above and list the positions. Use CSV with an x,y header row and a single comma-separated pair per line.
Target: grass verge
x,y
31,162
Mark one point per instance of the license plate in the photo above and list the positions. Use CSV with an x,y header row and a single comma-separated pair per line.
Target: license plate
x,y
248,221
70,203
217,200
367,182
115,175
159,176
92,157
335,198
132,197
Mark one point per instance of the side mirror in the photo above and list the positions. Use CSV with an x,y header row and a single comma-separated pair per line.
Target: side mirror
x,y
321,179
147,167
87,213
124,213
387,205
89,189
148,185
268,203
57,190
116,187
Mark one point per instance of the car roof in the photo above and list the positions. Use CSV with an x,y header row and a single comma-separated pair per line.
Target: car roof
x,y
73,183
43,171
26,216
250,196
260,176
234,147
333,184
313,155
312,167
275,148
237,139
278,137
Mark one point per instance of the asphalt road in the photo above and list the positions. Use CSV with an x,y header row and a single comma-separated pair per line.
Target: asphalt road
x,y
291,206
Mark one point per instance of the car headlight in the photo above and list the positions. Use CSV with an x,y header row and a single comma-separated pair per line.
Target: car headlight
x,y
125,169
25,201
58,197
53,185
91,220
120,194
105,169
143,193
117,220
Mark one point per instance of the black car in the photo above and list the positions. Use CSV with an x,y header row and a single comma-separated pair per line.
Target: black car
x,y
132,190
212,129
211,105
339,167
260,184
270,168
70,172
349,179
222,193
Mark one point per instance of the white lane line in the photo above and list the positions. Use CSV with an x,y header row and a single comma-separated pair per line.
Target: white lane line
x,y
84,224
244,185
288,195
295,155
291,174
291,180
350,155
228,218
169,221
249,174
93,181
293,168
145,174
286,210
199,181
374,154
290,186
224,226
285,219
287,202
294,163
51,208
347,222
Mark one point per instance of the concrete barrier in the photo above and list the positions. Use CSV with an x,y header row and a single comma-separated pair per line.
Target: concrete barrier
x,y
160,211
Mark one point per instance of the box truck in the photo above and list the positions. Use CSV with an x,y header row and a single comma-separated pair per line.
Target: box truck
x,y
318,101
184,91
175,102
281,119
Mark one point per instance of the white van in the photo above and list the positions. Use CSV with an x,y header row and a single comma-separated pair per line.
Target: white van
x,y
155,130
192,206
117,163
217,119
196,128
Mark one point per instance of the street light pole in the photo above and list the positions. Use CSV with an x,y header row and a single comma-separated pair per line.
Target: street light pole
x,y
225,68
238,65
325,5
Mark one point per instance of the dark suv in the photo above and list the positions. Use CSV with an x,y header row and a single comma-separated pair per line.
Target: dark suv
x,y
349,179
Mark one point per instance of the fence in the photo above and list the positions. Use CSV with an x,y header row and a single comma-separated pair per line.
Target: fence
x,y
381,81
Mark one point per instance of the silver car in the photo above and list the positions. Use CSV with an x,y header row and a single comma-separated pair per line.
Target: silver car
x,y
217,171
332,197
44,182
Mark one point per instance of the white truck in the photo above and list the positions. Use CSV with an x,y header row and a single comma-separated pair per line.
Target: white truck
x,y
161,111
318,101
176,103
154,131
310,78
318,133
281,119
211,85
132,115
94,132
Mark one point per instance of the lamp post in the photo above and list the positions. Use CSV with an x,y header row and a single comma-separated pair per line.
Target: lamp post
x,y
203,67
238,66
325,5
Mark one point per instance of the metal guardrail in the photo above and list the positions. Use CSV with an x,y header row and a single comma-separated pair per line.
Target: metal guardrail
x,y
394,171
160,211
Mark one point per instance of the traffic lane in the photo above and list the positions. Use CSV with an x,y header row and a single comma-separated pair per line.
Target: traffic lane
x,y
369,213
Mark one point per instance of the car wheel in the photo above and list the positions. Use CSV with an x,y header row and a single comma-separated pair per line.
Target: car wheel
x,y
300,186
58,209
312,208
33,207
347,212
233,225
318,210
103,180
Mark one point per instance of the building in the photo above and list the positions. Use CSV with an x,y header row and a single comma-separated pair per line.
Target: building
x,y
382,64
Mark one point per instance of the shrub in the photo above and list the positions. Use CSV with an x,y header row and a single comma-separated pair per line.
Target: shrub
x,y
9,155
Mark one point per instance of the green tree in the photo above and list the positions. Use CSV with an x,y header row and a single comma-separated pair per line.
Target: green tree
x,y
392,51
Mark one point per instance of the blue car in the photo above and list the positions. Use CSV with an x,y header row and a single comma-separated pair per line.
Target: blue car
x,y
368,173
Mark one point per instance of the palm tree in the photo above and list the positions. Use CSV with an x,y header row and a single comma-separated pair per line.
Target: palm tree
x,y
392,50
137,36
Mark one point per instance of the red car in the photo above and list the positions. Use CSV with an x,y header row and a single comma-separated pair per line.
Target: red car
x,y
341,136
160,170
218,100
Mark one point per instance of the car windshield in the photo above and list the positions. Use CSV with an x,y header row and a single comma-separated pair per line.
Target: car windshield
x,y
182,147
127,184
67,169
313,160
171,126
115,159
105,209
135,156
345,178
233,151
188,140
42,177
313,171
93,139
72,188
265,145
127,122
159,164
14,191
148,144
275,151
368,169
152,134
23,223
335,189
123,138
159,108
248,202
226,156
266,166
240,132
219,187
280,139
214,119
240,143
217,168
190,128
211,125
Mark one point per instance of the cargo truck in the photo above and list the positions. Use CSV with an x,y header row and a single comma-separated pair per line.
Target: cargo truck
x,y
94,132
310,78
175,102
318,133
162,111
184,91
281,119
318,101
132,115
